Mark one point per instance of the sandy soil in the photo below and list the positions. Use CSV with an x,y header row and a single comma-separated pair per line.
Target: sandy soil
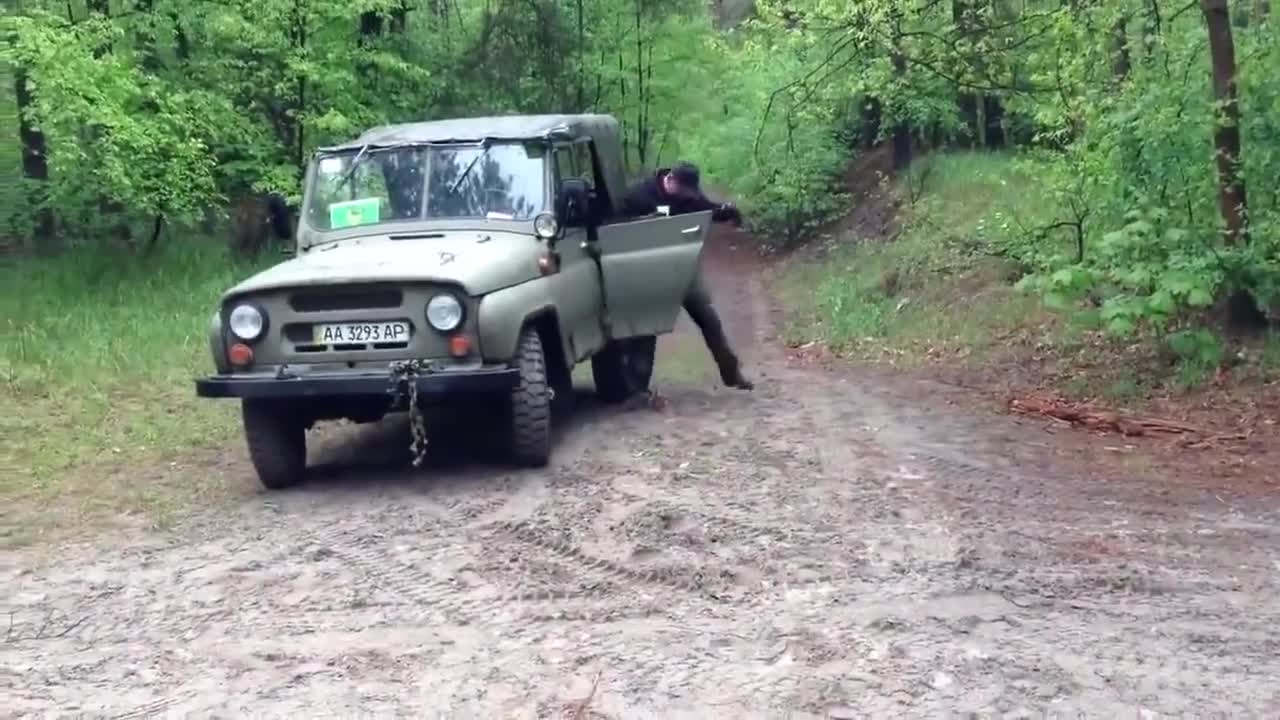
x,y
827,546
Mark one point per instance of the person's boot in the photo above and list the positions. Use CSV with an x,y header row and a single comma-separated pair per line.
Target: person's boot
x,y
731,375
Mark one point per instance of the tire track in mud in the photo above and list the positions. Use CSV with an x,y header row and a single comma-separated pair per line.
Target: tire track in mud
x,y
817,545
458,603
707,584
155,707
520,626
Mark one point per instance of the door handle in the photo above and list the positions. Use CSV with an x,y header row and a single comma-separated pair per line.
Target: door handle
x,y
693,229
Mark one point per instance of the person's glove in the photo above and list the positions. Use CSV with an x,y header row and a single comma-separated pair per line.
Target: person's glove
x,y
728,212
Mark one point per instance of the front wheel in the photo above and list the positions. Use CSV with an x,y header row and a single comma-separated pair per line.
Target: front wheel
x,y
277,441
531,404
624,368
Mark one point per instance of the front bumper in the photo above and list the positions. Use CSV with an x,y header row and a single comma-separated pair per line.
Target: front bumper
x,y
496,379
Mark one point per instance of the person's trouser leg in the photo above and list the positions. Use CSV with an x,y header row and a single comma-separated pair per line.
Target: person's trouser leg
x,y
697,302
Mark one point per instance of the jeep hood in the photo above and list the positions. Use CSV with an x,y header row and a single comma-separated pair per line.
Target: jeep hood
x,y
480,262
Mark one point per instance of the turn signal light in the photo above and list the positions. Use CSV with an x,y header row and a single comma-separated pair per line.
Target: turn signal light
x,y
547,264
459,346
240,354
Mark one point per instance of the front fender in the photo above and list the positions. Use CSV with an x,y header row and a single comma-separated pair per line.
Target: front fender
x,y
217,343
503,313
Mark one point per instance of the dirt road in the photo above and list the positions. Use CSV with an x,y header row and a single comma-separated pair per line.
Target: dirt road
x,y
827,546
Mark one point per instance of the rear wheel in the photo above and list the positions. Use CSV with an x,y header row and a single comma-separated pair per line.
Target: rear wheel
x,y
531,404
277,440
624,368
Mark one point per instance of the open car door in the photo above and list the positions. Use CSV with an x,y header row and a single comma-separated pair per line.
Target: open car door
x,y
647,267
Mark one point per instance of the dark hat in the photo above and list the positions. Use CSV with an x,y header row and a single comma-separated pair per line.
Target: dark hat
x,y
686,174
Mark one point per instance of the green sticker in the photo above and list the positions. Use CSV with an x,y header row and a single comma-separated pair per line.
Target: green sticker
x,y
354,212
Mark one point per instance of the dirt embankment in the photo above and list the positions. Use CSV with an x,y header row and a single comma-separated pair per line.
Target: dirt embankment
x,y
834,544
1222,436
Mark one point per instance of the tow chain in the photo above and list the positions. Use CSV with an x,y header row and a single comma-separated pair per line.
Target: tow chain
x,y
407,371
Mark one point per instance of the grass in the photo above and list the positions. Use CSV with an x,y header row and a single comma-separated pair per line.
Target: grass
x,y
98,350
928,294
936,295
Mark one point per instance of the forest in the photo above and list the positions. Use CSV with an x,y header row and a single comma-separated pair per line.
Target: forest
x,y
1138,141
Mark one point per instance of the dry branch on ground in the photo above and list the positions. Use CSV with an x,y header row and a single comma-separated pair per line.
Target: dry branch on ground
x,y
1102,420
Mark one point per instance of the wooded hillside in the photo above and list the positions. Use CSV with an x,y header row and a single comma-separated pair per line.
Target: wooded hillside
x,y
1159,122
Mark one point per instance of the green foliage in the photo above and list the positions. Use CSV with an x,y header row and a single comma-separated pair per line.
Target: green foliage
x,y
174,108
99,347
170,108
928,293
1116,101
938,294
1138,173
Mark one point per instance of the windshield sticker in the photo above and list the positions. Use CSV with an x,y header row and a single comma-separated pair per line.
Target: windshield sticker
x,y
354,212
494,215
331,165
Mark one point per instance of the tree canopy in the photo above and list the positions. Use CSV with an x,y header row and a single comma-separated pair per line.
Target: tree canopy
x,y
1155,126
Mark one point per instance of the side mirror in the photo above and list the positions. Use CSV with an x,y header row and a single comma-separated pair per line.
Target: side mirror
x,y
573,203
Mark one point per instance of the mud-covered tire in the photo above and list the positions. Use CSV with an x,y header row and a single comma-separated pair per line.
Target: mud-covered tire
x,y
624,368
530,411
563,399
277,441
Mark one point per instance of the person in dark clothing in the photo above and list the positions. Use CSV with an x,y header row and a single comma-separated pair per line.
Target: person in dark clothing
x,y
677,188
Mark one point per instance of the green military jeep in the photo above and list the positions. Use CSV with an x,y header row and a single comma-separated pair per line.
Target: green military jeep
x,y
459,259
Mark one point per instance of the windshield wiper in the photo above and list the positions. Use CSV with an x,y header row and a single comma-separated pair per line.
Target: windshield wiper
x,y
355,165
453,189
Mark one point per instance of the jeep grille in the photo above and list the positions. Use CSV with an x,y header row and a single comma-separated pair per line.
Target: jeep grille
x,y
360,298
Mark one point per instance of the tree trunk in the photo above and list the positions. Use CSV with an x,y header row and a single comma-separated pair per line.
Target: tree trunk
x,y
642,100
400,18
183,43
151,61
35,166
871,113
372,26
370,31
582,66
300,111
108,206
993,111
1121,65
902,130
980,120
1152,27
967,102
1226,136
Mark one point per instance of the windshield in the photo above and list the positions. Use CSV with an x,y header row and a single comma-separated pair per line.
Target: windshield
x,y
351,188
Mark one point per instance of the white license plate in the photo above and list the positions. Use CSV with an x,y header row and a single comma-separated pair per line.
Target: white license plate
x,y
360,333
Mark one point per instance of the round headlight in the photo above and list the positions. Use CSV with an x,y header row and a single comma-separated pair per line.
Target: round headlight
x,y
246,322
546,226
444,312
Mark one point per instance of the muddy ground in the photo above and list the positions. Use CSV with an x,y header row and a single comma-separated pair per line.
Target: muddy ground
x,y
830,545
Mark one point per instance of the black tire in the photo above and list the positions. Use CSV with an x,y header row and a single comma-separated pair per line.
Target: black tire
x,y
563,401
624,368
277,441
531,404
